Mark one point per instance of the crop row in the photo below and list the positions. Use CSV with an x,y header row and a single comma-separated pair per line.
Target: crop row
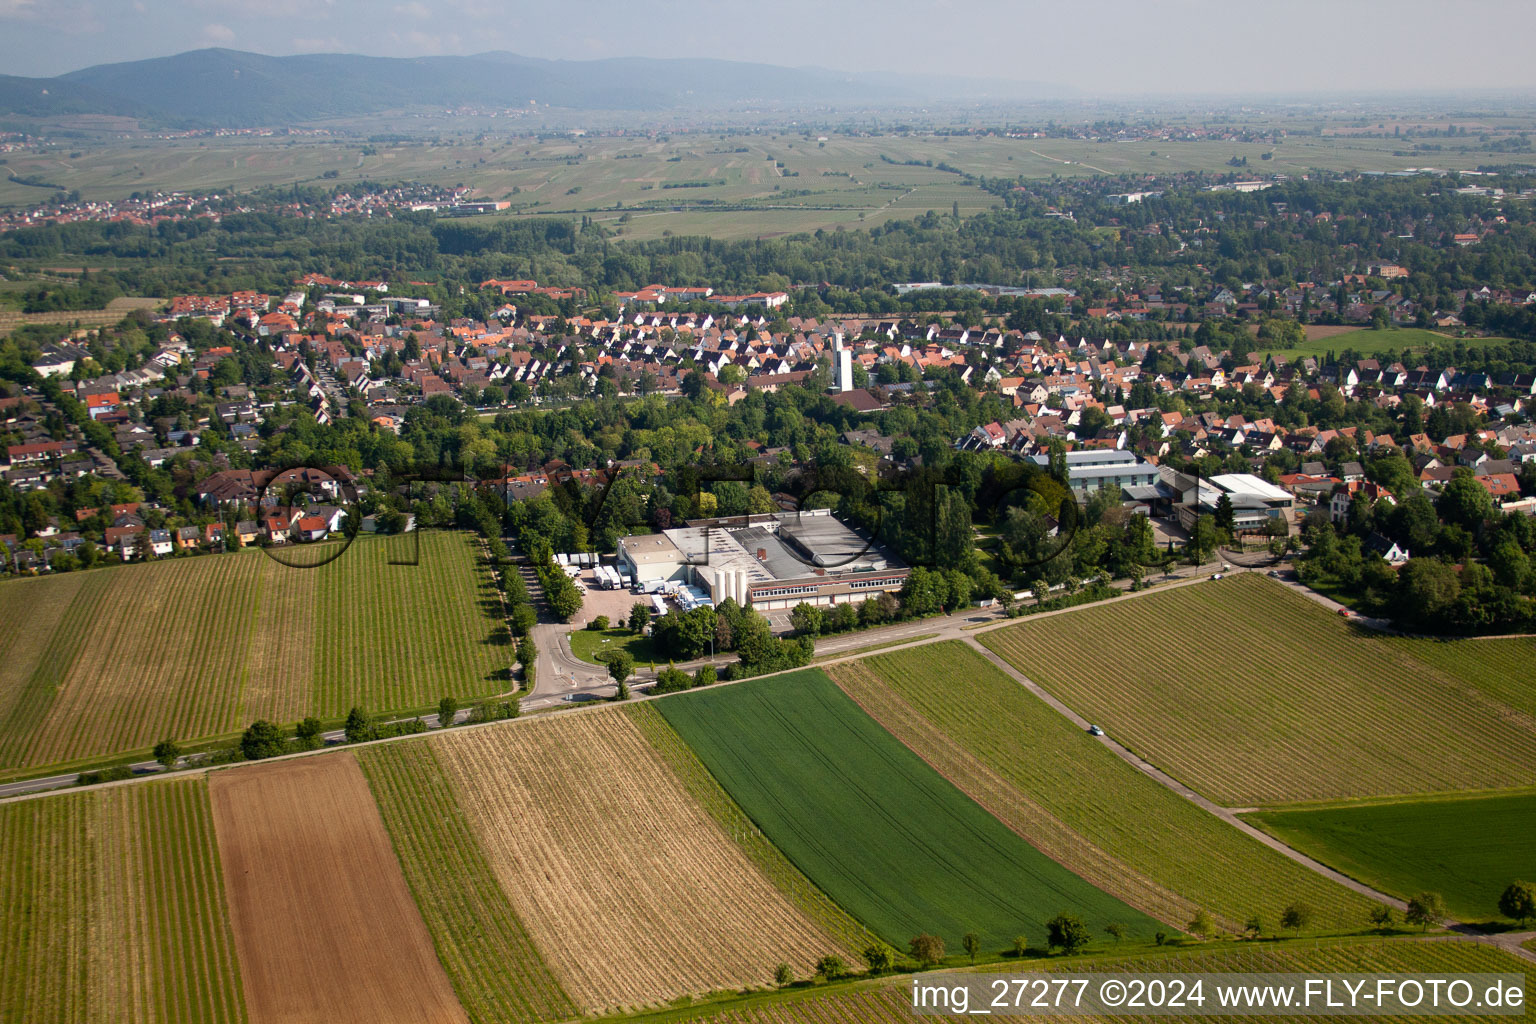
x,y
1252,695
1151,829
890,1002
114,909
495,969
630,890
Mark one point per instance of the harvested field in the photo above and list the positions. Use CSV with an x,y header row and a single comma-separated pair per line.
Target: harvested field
x,y
490,959
628,887
889,1001
114,659
879,831
114,909
1068,775
323,919
1284,702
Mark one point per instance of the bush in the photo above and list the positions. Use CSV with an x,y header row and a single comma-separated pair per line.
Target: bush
x,y
831,967
1067,933
704,676
116,773
880,958
598,624
670,680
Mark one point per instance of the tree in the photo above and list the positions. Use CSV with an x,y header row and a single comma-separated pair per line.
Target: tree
x,y
1115,930
357,727
926,949
972,944
783,975
308,733
1021,945
639,617
262,739
1519,902
447,710
1254,926
167,752
1067,933
1202,539
831,967
1425,909
1295,917
807,619
1225,519
704,676
1381,917
879,957
620,665
1201,924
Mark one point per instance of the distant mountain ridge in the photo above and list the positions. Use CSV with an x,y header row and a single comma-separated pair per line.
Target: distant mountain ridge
x,y
231,88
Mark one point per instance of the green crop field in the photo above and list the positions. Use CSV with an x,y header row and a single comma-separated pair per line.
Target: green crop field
x,y
874,827
943,694
496,971
112,660
1370,342
1253,694
889,1001
1467,848
768,859
114,909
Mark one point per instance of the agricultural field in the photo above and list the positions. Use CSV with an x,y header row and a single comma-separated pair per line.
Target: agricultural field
x,y
114,909
322,916
874,827
634,894
1252,694
495,969
115,310
888,1001
1324,339
1077,801
765,183
1465,848
112,660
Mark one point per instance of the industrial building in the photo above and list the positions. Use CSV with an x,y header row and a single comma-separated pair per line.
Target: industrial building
x,y
1090,469
766,562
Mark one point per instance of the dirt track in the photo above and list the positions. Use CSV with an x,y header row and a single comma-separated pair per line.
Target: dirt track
x,y
324,924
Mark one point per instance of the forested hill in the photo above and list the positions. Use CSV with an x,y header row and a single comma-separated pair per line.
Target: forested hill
x,y
232,88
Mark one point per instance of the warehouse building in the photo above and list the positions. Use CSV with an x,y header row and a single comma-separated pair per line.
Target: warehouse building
x,y
767,562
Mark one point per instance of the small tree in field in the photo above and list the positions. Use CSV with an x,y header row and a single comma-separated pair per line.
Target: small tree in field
x,y
831,967
167,752
880,958
972,944
1519,902
783,975
1295,917
1115,930
926,949
1381,917
1255,926
1425,909
1020,945
1201,924
1067,933
447,710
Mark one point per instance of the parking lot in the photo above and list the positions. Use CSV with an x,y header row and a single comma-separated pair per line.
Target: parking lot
x,y
613,603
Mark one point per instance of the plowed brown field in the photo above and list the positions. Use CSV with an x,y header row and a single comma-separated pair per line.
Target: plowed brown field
x,y
628,887
324,923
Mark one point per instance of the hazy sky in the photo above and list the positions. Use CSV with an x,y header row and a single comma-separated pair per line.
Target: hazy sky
x,y
1096,46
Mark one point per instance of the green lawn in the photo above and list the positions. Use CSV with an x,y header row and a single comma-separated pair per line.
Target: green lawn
x,y
1466,849
875,827
592,646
